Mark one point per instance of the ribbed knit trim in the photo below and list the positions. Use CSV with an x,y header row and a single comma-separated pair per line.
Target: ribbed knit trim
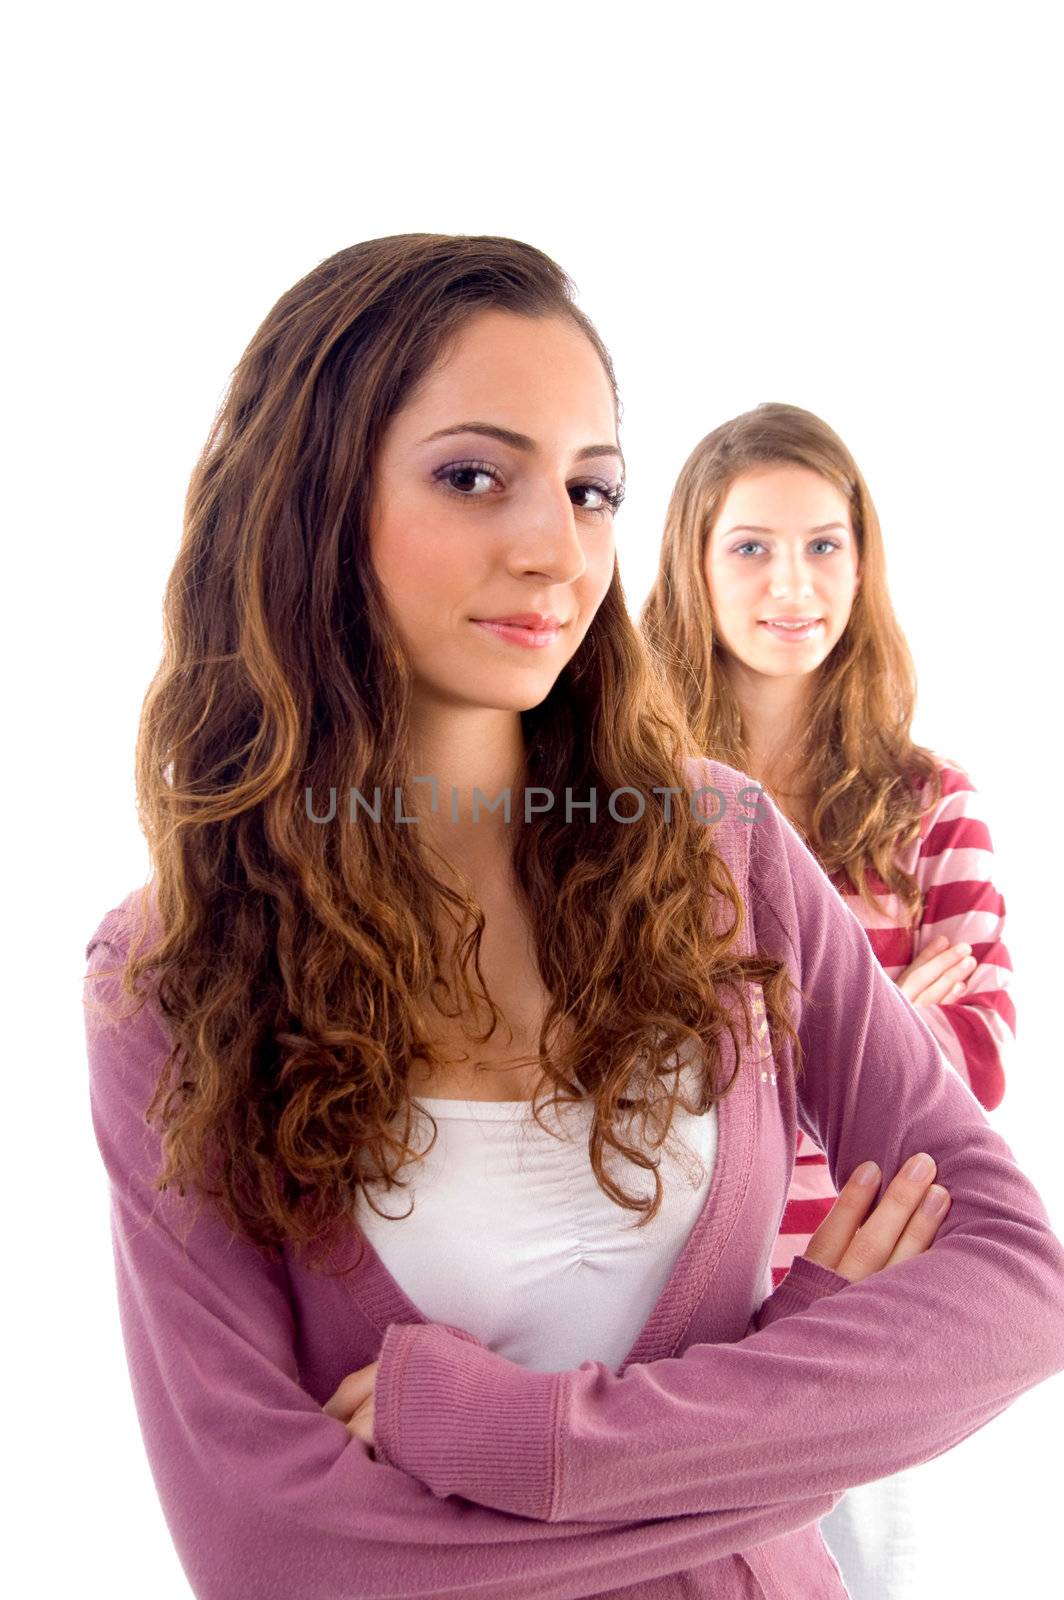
x,y
737,1128
805,1282
422,1366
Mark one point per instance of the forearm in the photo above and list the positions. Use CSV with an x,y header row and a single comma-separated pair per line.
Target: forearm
x,y
857,1385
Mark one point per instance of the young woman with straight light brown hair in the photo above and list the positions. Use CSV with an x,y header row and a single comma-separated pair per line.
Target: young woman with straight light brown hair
x,y
772,616
447,1142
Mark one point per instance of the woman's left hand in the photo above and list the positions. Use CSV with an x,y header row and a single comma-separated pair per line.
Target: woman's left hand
x,y
902,1225
352,1404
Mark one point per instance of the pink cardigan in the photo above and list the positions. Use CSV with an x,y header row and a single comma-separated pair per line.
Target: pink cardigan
x,y
701,1467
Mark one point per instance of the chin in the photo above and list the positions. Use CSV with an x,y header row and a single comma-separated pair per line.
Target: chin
x,y
525,699
491,694
800,667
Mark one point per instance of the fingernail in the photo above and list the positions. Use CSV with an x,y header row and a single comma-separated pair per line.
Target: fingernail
x,y
919,1167
966,948
935,1200
867,1172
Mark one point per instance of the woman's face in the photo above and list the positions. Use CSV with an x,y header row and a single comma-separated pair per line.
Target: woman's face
x,y
781,565
491,501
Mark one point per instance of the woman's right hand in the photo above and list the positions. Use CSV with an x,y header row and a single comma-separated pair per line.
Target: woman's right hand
x,y
938,974
903,1224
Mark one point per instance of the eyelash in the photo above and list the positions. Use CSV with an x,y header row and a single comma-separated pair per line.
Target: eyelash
x,y
611,496
739,548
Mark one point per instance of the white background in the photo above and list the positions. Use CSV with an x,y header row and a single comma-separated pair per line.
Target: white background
x,y
850,208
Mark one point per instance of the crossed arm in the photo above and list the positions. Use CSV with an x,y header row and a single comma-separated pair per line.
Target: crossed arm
x,y
859,1384
854,1240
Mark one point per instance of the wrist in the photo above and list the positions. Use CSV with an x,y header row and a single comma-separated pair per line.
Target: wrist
x,y
806,1282
465,1420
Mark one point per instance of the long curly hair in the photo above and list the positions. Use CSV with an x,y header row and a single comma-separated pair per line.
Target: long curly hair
x,y
871,782
292,959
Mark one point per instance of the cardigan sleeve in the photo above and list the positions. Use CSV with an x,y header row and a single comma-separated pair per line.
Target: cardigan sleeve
x,y
265,1496
870,1378
953,872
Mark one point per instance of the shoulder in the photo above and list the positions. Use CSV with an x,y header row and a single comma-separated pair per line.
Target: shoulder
x,y
953,779
730,801
955,814
760,849
952,775
796,913
117,1019
134,918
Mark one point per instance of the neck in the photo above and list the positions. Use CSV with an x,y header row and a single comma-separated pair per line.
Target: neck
x,y
465,748
774,713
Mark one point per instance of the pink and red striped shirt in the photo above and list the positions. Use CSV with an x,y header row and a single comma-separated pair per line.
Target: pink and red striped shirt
x,y
951,862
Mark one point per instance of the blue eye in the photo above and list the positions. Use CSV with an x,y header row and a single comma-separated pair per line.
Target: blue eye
x,y
752,545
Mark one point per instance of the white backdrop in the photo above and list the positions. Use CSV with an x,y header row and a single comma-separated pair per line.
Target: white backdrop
x,y
850,208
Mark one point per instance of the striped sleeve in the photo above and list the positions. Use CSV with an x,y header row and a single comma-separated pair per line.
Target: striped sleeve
x,y
951,863
809,1199
953,870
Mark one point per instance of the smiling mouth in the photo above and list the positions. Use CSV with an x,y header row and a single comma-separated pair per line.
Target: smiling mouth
x,y
520,634
793,628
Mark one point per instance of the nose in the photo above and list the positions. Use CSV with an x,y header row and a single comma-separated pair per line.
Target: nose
x,y
789,575
545,541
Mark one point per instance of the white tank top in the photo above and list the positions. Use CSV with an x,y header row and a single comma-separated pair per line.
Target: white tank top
x,y
512,1239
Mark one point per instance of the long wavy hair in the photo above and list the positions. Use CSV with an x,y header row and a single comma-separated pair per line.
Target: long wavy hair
x,y
293,959
871,782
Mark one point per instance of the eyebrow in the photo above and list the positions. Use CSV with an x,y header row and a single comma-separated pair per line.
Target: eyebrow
x,y
747,527
521,441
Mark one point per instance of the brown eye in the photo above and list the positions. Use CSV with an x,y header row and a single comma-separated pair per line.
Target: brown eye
x,y
611,497
460,477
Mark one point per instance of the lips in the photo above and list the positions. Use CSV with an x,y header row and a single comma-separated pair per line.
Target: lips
x,y
525,619
529,630
793,630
